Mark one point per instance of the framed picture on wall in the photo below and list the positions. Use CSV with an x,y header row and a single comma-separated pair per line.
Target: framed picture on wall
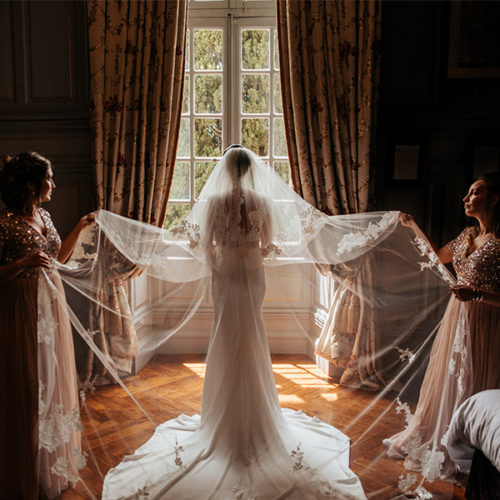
x,y
474,40
407,159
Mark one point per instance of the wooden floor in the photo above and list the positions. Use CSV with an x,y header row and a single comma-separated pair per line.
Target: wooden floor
x,y
170,385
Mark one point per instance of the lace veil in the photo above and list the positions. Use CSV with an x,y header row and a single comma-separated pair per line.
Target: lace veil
x,y
246,214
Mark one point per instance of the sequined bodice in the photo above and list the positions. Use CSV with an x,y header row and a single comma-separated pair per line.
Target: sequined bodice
x,y
480,268
18,239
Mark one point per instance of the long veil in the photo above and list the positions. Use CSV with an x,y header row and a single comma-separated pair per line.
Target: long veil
x,y
387,269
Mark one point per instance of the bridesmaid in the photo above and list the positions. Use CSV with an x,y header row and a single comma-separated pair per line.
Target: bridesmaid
x,y
465,354
40,450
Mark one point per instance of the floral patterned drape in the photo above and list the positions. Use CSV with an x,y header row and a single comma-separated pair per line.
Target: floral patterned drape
x,y
137,72
329,67
329,71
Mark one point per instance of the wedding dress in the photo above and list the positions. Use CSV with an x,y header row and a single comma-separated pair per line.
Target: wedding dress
x,y
243,445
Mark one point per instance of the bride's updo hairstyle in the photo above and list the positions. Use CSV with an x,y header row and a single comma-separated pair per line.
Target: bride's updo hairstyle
x,y
15,175
238,161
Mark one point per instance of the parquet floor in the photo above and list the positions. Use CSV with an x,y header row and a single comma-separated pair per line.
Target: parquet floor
x,y
170,385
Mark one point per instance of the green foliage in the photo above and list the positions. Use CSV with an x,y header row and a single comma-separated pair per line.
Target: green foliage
x,y
208,49
255,49
208,93
183,148
279,141
202,171
175,213
255,135
208,137
282,168
185,96
180,182
277,101
255,93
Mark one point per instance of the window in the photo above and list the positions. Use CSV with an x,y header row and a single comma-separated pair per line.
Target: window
x,y
232,94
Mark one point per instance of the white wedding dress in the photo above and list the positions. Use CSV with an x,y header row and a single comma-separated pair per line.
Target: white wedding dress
x,y
243,445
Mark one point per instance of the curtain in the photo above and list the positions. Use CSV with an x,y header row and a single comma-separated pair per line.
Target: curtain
x,y
329,67
137,58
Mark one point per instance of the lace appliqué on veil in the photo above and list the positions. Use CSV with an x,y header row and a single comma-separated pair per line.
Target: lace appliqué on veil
x,y
56,428
67,469
46,323
311,219
371,233
457,362
433,262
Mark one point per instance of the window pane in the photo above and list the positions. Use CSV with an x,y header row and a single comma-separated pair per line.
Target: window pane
x,y
208,93
207,137
282,168
277,101
255,93
175,213
184,140
185,96
255,135
180,182
187,50
279,139
255,49
207,49
202,171
276,51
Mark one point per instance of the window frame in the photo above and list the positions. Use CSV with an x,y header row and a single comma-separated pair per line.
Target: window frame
x,y
231,16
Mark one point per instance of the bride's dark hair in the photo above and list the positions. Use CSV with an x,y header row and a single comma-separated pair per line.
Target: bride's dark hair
x,y
238,158
492,181
16,173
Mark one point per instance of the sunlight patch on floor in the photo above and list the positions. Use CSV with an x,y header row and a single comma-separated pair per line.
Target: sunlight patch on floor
x,y
198,368
303,375
290,399
330,397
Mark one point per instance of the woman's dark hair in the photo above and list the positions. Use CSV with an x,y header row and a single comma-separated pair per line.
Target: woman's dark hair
x,y
16,173
241,158
492,181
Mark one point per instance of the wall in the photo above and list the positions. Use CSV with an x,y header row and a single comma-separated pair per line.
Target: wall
x,y
421,103
44,97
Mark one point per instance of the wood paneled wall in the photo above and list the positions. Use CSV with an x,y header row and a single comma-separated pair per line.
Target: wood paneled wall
x,y
44,96
447,116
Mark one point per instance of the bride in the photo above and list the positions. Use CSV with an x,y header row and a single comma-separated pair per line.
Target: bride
x,y
243,445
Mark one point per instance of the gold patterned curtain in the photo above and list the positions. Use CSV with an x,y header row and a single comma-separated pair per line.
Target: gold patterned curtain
x,y
137,58
329,67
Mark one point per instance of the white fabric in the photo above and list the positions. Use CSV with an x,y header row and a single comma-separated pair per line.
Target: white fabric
x,y
476,424
243,445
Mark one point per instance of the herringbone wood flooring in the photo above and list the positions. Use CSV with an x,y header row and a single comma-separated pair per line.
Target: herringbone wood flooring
x,y
170,385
